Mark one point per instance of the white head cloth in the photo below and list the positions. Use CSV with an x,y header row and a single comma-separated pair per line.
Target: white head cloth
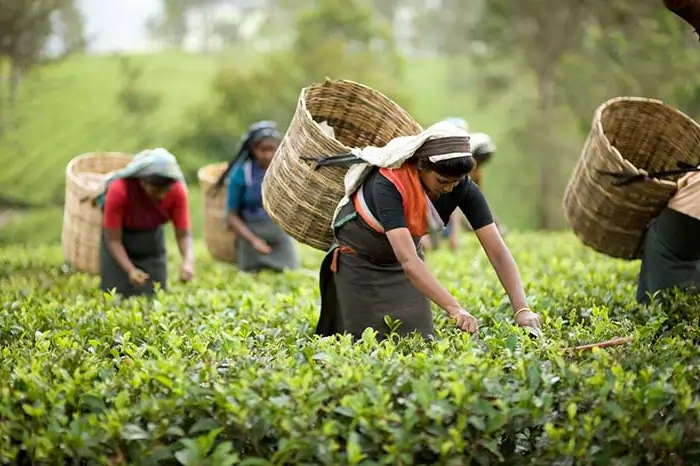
x,y
481,142
687,197
395,153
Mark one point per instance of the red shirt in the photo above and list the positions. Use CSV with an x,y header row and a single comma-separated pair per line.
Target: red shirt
x,y
127,205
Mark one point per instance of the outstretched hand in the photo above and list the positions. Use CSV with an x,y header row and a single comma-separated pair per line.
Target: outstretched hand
x,y
527,318
186,273
138,277
464,320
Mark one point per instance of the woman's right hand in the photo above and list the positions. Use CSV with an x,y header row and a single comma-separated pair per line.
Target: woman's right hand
x,y
464,320
138,277
261,246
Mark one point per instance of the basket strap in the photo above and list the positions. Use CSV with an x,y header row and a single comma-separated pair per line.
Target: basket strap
x,y
625,178
334,160
365,213
342,221
248,172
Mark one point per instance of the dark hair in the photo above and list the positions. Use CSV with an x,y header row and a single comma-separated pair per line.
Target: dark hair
x,y
451,168
483,153
250,141
158,181
256,142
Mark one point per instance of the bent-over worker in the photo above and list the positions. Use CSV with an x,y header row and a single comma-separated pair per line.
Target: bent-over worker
x,y
375,267
137,202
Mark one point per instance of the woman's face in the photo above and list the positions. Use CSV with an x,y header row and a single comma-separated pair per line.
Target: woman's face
x,y
155,192
435,184
264,150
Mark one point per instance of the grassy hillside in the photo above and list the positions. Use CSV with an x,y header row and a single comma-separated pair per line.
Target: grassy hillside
x,y
71,108
226,369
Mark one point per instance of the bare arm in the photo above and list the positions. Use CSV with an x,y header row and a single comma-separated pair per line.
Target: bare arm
x,y
416,270
116,247
455,220
184,243
501,228
503,263
240,228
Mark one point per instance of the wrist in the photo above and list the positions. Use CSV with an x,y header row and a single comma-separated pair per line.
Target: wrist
x,y
519,304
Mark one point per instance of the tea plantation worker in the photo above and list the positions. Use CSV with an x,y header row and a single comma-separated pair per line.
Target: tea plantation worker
x,y
483,150
137,202
402,191
260,243
671,250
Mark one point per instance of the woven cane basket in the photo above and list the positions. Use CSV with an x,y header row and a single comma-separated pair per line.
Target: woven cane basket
x,y
82,221
298,198
631,135
220,240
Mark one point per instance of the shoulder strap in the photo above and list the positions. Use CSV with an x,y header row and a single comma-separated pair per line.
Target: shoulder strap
x,y
248,172
361,208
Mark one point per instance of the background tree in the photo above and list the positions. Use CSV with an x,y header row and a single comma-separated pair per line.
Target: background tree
x,y
337,39
171,26
25,28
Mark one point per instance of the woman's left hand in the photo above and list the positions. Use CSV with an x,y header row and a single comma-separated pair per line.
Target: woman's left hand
x,y
528,319
186,273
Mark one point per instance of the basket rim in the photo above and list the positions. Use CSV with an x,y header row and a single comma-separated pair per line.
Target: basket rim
x,y
202,170
331,82
598,116
70,174
302,106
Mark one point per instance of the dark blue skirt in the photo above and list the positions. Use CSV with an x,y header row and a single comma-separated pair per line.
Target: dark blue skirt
x,y
670,256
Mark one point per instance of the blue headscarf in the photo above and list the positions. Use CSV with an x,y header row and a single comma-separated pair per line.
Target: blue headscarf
x,y
256,132
146,163
460,122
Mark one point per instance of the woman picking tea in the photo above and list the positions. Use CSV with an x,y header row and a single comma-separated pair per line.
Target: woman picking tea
x,y
260,243
375,267
137,202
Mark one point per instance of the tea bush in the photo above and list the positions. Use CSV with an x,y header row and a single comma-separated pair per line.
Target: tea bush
x,y
227,371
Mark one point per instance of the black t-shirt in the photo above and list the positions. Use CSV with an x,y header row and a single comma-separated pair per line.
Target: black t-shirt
x,y
385,203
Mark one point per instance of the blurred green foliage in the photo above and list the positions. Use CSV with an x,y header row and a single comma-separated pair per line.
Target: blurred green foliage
x,y
533,89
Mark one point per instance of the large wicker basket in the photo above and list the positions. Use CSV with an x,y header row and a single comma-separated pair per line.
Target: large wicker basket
x,y
82,220
298,198
220,240
630,135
